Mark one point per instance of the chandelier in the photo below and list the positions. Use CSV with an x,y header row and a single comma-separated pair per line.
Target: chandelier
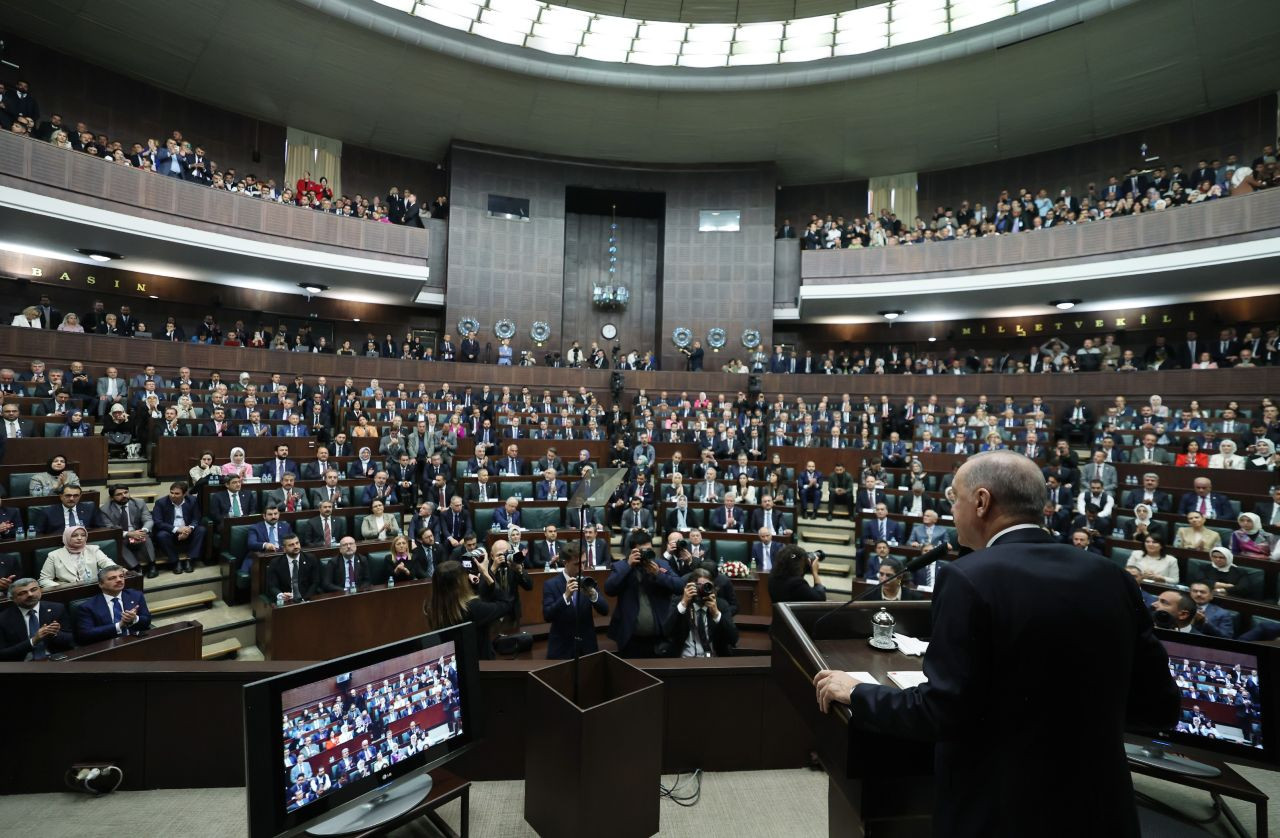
x,y
609,295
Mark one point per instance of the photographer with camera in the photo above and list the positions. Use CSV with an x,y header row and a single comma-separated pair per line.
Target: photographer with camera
x,y
568,609
696,627
465,591
509,574
643,585
786,582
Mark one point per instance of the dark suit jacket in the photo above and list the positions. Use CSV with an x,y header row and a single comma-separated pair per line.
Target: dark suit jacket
x,y
1164,500
14,517
625,583
15,641
561,617
220,504
162,513
991,658
258,535
719,515
312,532
333,574
723,634
781,520
308,576
757,553
54,519
1220,503
94,622
540,554
871,530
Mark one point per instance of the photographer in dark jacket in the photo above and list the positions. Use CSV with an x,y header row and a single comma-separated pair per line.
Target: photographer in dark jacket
x,y
643,584
696,626
509,574
459,597
786,581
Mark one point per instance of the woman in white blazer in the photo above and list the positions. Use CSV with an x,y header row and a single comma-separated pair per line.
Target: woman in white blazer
x,y
1226,456
76,562
29,319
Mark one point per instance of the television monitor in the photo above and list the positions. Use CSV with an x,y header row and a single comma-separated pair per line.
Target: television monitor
x,y
348,743
1228,702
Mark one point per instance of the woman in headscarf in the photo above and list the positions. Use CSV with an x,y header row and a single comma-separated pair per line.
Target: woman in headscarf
x,y
1143,524
76,562
1251,540
1264,457
1224,577
53,478
1158,407
363,465
1226,456
75,425
237,465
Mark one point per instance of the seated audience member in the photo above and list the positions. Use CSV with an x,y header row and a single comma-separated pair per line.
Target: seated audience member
x,y
330,491
70,511
1217,616
1251,540
204,469
116,611
1090,540
881,527
637,524
928,534
1196,536
1143,524
266,536
774,520
568,610
839,490
31,629
891,566
787,583
1210,504
293,576
1264,457
237,464
643,588
1192,455
288,496
379,525
877,554
349,570
1147,598
380,489
422,562
1154,564
729,517
765,551
508,515
324,530
1150,494
695,626
679,516
53,478
133,519
177,528
1225,578
77,562
1268,511
455,525
364,465
595,548
1103,500
232,502
1227,456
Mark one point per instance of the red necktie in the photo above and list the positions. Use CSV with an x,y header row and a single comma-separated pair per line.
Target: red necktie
x,y
328,535
1204,508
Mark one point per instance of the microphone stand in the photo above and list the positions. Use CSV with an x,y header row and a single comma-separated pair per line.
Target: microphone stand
x,y
921,561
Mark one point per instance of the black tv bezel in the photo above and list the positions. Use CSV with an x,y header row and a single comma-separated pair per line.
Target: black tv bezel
x,y
1268,671
266,777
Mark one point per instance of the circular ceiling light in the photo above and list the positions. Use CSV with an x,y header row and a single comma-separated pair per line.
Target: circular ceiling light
x,y
892,314
312,287
1064,305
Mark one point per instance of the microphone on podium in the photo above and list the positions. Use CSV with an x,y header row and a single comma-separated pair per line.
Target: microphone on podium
x,y
921,561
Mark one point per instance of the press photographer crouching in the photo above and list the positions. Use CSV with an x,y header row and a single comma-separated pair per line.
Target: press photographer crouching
x,y
644,585
697,627
509,574
786,581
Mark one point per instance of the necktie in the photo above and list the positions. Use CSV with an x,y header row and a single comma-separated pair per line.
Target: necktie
x,y
551,548
271,534
291,502
293,579
72,519
328,532
351,566
33,626
117,614
883,537
235,505
1204,507
591,554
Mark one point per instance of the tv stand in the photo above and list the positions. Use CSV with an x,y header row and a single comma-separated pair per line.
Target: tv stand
x,y
1226,783
1155,755
400,803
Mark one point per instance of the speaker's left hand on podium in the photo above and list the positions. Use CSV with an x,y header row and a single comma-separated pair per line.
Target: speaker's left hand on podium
x,y
833,685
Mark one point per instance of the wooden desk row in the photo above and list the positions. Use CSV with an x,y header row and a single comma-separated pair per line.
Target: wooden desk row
x,y
89,451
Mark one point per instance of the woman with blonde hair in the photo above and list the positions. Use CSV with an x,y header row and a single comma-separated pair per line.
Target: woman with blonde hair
x,y
1196,536
71,323
28,319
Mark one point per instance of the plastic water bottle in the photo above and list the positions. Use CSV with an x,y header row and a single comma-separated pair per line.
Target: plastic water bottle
x,y
31,531
391,581
280,599
19,533
350,589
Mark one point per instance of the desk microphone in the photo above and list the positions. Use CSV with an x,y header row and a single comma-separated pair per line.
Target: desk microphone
x,y
919,562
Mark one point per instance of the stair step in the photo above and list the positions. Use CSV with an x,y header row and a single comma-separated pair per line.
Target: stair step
x,y
836,568
204,577
250,653
221,649
823,537
203,599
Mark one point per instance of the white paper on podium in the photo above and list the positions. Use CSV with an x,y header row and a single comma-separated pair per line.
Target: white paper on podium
x,y
863,677
910,645
907,678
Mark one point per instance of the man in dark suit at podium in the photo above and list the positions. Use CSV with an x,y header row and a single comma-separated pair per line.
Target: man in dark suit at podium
x,y
999,689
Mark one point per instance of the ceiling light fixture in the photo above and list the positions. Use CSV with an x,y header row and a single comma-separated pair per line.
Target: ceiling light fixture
x,y
1064,305
312,287
892,314
98,255
933,340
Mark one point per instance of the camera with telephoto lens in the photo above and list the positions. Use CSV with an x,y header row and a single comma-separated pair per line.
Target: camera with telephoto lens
x,y
815,556
469,557
682,546
706,590
647,556
588,582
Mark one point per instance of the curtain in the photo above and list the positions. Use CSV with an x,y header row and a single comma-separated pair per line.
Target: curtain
x,y
319,155
897,192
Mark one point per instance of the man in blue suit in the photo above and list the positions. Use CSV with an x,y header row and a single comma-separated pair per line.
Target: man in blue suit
x,y
549,488
176,525
1010,785
894,452
1206,501
644,590
32,629
71,511
729,517
115,612
809,488
266,536
272,470
880,528
1214,614
10,519
568,609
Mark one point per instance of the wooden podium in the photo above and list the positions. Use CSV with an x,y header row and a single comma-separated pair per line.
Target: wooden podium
x,y
614,731
875,782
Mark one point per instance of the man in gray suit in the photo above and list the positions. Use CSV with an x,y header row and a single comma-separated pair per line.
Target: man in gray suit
x,y
112,389
133,517
708,490
1100,469
1149,453
281,497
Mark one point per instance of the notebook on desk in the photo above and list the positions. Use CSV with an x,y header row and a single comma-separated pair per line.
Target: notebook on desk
x,y
907,678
